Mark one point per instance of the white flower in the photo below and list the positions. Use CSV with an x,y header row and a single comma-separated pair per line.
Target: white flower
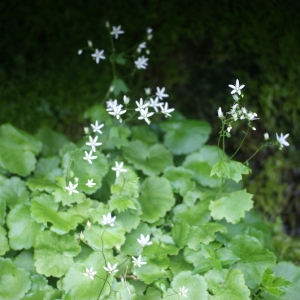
x,y
72,188
252,116
110,104
90,43
155,103
79,52
111,269
160,93
166,111
108,220
93,143
117,111
266,136
144,241
89,157
116,31
137,261
182,292
145,115
220,113
229,128
141,62
149,30
90,273
141,105
236,88
147,91
282,140
90,183
98,55
96,127
126,99
118,168
142,45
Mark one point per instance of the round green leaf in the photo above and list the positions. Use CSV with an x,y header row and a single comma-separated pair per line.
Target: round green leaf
x,y
156,198
232,207
152,160
185,136
14,282
18,150
227,285
195,285
54,253
4,247
254,259
23,229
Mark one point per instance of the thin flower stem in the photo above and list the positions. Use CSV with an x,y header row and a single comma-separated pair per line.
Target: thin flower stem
x,y
242,142
246,161
106,281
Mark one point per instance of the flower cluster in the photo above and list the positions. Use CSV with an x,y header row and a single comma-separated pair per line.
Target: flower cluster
x,y
142,61
142,106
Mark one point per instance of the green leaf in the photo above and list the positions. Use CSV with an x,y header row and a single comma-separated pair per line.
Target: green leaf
x,y
155,268
118,136
52,141
144,134
276,286
41,184
254,259
203,234
151,160
44,209
156,198
73,162
54,253
105,237
124,290
195,284
180,232
232,207
201,164
4,247
185,136
13,191
226,257
227,284
23,229
180,179
18,150
130,219
97,113
48,168
14,282
179,264
119,86
24,260
81,287
230,170
195,215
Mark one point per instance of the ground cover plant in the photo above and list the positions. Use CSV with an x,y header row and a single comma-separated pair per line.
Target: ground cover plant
x,y
140,208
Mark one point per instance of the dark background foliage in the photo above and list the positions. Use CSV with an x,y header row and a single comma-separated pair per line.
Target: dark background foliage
x,y
199,47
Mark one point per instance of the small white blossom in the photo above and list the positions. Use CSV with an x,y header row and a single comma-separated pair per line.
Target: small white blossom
x,y
155,103
90,43
117,111
88,224
108,220
145,115
147,91
90,273
220,113
96,127
141,105
118,168
126,99
111,269
110,104
144,241
149,30
160,93
98,55
166,111
79,52
236,88
137,262
183,292
72,188
116,31
266,136
90,183
282,140
142,45
89,157
86,130
229,128
93,143
141,62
